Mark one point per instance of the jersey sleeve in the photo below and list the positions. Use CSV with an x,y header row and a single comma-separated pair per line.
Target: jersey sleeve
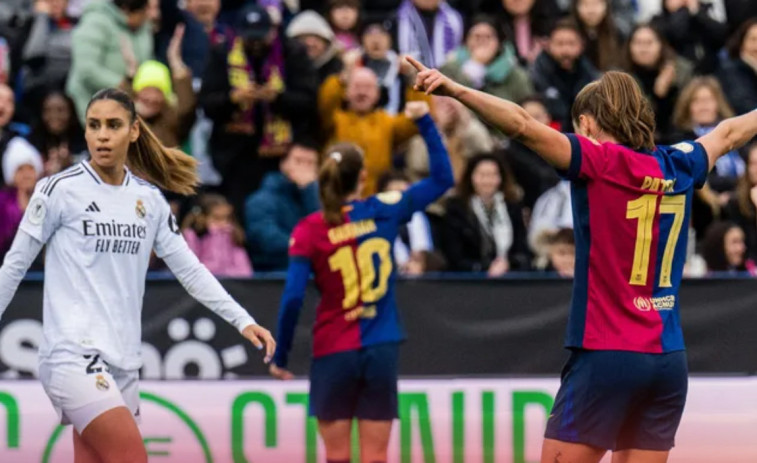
x,y
43,214
695,157
588,160
299,244
169,238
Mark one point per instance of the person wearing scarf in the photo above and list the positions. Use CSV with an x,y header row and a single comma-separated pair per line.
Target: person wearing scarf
x,y
483,228
427,30
488,62
260,92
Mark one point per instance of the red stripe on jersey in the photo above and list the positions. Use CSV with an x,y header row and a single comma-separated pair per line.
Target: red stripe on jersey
x,y
619,315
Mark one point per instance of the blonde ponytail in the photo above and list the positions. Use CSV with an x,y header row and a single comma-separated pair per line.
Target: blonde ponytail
x,y
169,168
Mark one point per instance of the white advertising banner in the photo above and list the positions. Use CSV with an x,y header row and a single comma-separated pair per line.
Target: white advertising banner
x,y
442,421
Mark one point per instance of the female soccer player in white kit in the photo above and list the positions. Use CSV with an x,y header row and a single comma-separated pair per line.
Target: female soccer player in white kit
x,y
100,220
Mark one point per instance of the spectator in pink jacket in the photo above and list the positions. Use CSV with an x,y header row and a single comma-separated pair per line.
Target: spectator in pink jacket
x,y
216,238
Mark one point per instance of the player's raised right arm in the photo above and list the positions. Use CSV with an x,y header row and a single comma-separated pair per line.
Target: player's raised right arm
x,y
731,134
505,115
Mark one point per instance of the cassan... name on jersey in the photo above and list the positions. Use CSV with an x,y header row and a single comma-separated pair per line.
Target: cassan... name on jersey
x,y
115,237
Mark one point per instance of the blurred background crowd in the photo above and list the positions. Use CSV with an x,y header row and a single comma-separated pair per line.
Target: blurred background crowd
x,y
257,90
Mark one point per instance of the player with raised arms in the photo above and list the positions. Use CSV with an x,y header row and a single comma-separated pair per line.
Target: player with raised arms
x,y
348,247
624,386
100,220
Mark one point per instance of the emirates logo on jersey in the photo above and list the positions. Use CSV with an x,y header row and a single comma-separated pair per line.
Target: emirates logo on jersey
x,y
141,211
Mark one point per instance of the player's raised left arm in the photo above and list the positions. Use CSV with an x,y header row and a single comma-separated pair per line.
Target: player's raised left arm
x,y
731,134
505,115
440,178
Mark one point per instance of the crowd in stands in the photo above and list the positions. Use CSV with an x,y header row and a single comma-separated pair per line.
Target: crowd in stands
x,y
256,90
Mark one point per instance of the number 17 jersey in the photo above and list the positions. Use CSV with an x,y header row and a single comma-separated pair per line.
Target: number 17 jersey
x,y
631,214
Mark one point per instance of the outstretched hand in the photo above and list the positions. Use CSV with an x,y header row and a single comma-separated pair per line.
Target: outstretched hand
x,y
260,338
431,81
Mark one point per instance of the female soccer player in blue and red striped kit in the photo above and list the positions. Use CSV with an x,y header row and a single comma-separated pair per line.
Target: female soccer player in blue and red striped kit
x,y
625,385
348,247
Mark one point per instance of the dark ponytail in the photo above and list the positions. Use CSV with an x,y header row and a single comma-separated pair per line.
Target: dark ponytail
x,y
338,178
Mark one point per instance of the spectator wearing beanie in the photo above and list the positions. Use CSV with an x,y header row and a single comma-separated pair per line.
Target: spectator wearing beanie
x,y
314,33
170,116
110,41
22,166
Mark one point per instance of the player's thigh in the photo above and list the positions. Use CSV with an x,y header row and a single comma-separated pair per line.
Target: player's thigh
x,y
83,453
115,438
336,438
555,451
596,392
374,440
640,456
378,397
80,388
653,424
334,386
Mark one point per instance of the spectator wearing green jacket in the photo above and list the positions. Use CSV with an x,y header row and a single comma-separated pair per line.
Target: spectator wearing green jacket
x,y
488,62
111,40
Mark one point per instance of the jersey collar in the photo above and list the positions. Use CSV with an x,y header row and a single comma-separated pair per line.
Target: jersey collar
x,y
88,168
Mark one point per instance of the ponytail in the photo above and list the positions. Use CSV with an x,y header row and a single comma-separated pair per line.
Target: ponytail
x,y
168,168
620,109
338,178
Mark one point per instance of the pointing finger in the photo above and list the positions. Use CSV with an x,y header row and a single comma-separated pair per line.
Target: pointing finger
x,y
416,64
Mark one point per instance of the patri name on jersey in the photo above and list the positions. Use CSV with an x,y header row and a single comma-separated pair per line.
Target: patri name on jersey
x,y
112,230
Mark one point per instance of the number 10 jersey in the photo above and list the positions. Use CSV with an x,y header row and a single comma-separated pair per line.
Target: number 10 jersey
x,y
354,272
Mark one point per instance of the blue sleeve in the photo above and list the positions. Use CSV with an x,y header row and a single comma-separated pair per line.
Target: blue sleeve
x,y
700,165
291,305
440,178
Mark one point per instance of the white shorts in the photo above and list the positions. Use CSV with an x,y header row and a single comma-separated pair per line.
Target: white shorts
x,y
82,387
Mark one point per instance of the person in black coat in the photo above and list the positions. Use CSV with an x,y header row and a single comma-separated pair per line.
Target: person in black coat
x,y
562,70
693,33
260,93
738,76
739,11
742,208
483,228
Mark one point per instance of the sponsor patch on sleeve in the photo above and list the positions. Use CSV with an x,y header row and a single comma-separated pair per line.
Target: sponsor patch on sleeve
x,y
684,147
37,211
389,197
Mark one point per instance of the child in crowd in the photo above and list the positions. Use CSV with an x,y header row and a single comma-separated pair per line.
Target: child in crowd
x,y
216,238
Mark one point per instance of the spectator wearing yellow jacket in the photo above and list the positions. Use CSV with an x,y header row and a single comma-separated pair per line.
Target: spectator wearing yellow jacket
x,y
349,113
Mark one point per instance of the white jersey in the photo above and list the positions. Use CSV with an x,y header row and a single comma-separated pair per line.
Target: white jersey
x,y
99,239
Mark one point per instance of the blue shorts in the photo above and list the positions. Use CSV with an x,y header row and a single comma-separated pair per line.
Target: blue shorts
x,y
358,384
620,400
